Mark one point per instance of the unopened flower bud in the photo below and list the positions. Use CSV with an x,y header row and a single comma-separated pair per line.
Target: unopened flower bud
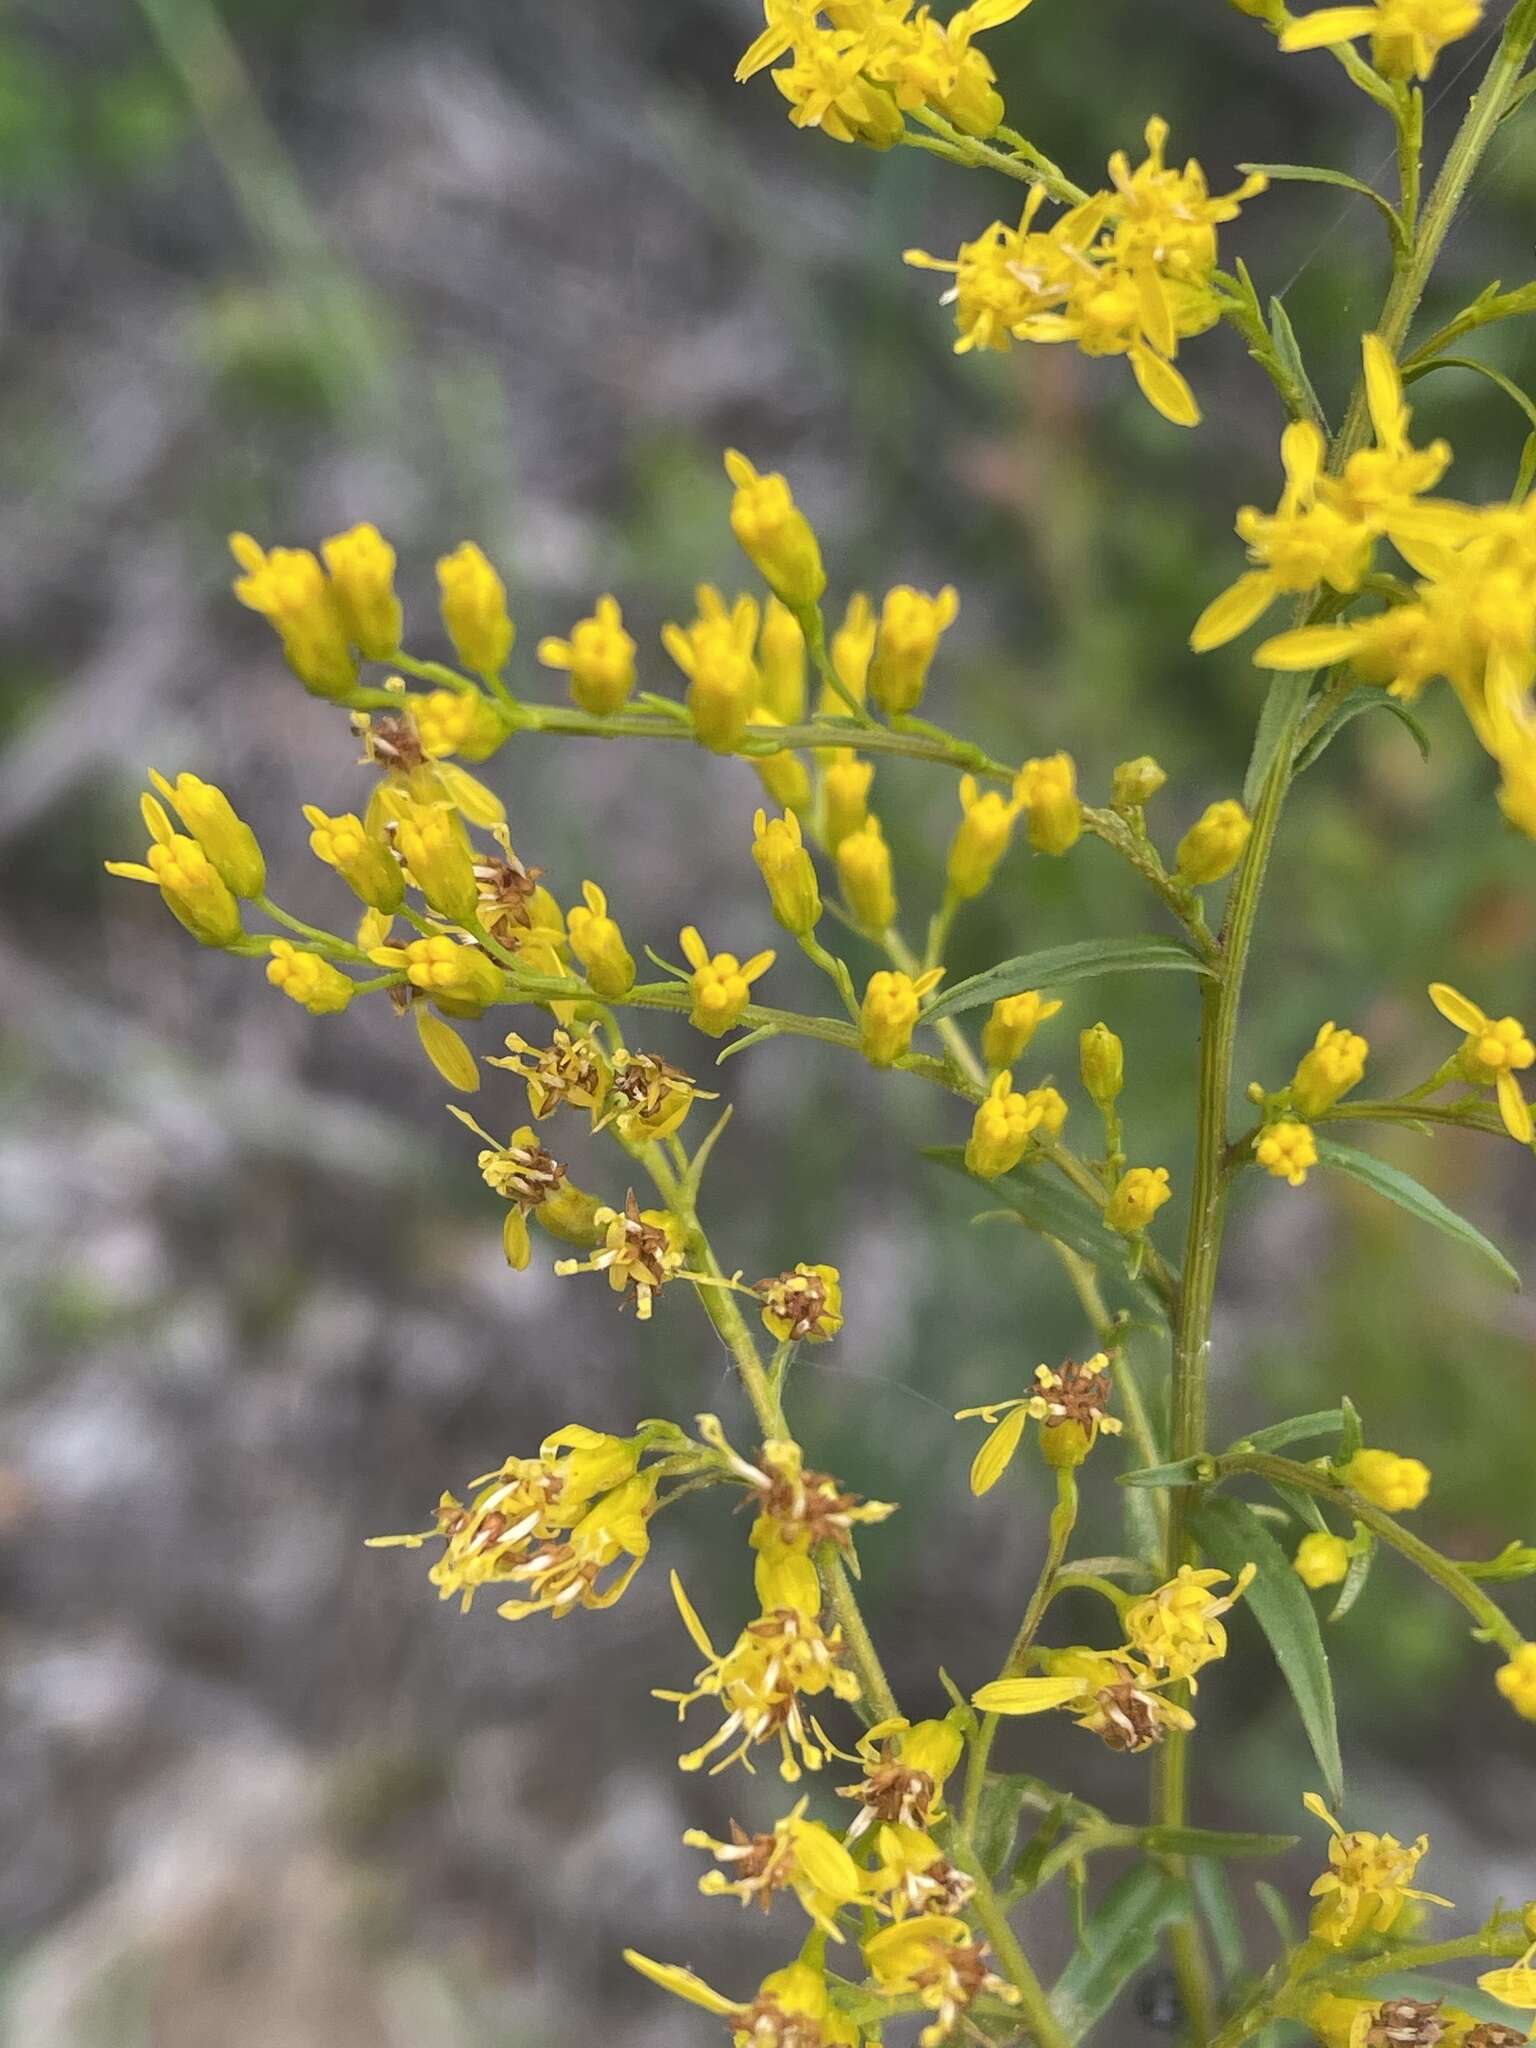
x,y
293,593
460,722
322,989
473,601
781,662
1048,791
362,569
775,534
362,860
1136,783
458,977
228,841
1287,1149
788,871
845,784
435,848
889,1013
984,836
911,624
1103,1064
599,945
1011,1025
1387,1481
1322,1559
864,867
191,887
1000,1131
1333,1066
784,775
1136,1199
600,658
1213,845
721,984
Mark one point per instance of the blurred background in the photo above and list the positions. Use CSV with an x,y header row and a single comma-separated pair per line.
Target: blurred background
x,y
518,272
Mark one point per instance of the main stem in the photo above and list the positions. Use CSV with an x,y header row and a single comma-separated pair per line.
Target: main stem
x,y
1222,998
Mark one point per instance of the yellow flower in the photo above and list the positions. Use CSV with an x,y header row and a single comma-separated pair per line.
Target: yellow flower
x,y
459,722
1120,1701
826,89
599,945
787,869
228,841
1070,1402
864,868
361,858
432,842
721,984
1136,1199
1515,1986
781,662
1333,1066
1011,1023
1001,1130
852,650
934,1955
906,1765
1287,1149
889,1013
522,1173
1178,1629
459,978
600,657
1367,1883
291,591
1135,783
1102,1058
362,570
775,1663
912,1875
984,836
1406,35
566,1070
306,979
1322,1559
845,782
798,1509
1493,1053
1047,789
649,1097
1307,540
783,774
1213,845
639,1249
1388,1481
911,626
775,534
1516,1680
473,601
792,2008
1051,1106
190,886
715,654
805,1305
798,1855
562,1575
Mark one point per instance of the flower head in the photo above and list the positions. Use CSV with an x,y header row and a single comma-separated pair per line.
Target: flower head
x,y
792,2008
1287,1149
906,1765
1137,1196
1178,1628
911,626
568,1069
599,657
715,654
1322,1559
649,1097
934,1955
1493,1052
802,1306
599,945
190,886
1516,1680
473,602
1011,1023
984,835
309,980
797,1855
1368,1881
292,592
1213,845
778,847
1334,1065
1406,35
864,869
1047,789
721,984
640,1252
892,1004
1071,1404
1394,1483
775,534
361,857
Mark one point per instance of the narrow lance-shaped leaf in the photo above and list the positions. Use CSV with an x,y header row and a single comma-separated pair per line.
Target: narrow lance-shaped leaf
x,y
1056,966
1359,701
1232,1535
1119,1939
1295,1429
1057,1212
1411,1195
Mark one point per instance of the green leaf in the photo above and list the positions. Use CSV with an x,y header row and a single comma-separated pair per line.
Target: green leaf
x,y
1161,1841
1276,1435
1058,1212
1354,706
1283,703
1183,1472
1525,476
1507,385
1219,1912
1355,1578
1119,1939
1279,1913
1408,1194
1026,1872
1318,174
1351,1430
1288,349
1055,966
1300,1503
1232,1536
997,1823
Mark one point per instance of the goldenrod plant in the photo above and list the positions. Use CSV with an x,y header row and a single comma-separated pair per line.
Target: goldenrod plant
x,y
894,1872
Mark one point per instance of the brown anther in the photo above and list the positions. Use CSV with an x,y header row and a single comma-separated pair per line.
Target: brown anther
x,y
1494,2034
799,1298
762,1867
646,1245
394,741
765,2024
1078,1395
644,1079
532,1175
1406,2023
508,887
893,1792
1127,1718
811,1501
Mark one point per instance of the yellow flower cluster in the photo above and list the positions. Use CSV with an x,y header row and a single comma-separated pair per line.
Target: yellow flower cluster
x,y
1070,1402
858,67
1130,271
550,1526
1406,35
1368,1881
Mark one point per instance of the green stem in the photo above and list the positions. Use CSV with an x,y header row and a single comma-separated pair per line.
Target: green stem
x,y
331,941
1444,1571
1034,2005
